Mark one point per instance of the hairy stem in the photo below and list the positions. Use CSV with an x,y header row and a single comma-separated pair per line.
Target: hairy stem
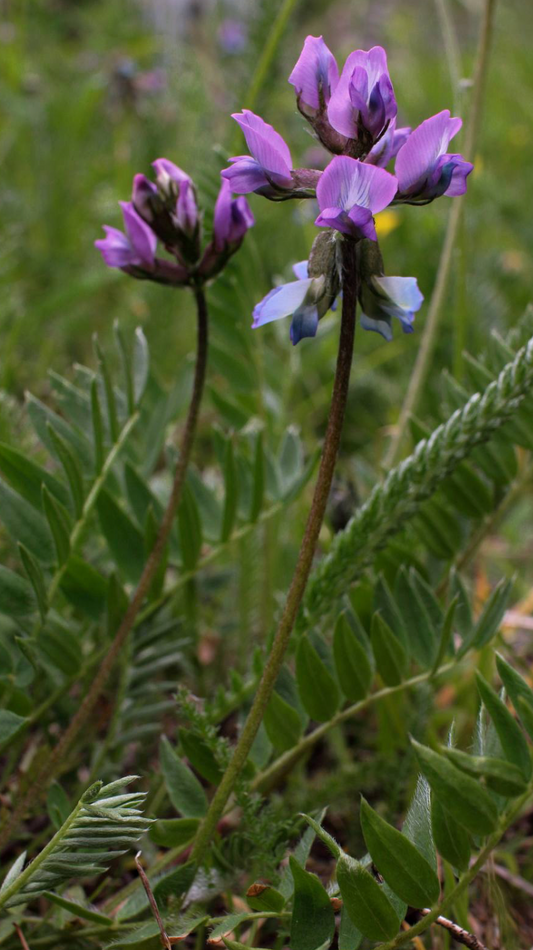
x,y
58,754
305,556
429,337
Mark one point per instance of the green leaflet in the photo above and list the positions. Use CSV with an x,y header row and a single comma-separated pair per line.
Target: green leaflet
x,y
399,862
517,689
462,796
190,529
491,617
391,658
318,690
512,739
366,903
313,919
60,525
231,493
264,897
385,603
25,524
141,365
417,824
200,756
349,936
126,542
421,616
79,910
259,478
500,775
451,839
351,662
300,854
16,595
26,477
184,789
283,723
10,724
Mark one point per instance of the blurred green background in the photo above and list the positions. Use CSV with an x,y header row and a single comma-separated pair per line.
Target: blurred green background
x,y
92,91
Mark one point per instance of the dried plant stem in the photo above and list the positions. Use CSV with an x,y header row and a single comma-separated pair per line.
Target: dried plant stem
x,y
459,934
58,754
425,352
305,557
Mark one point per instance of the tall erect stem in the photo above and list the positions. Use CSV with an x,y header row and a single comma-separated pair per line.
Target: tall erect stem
x,y
56,757
305,556
429,338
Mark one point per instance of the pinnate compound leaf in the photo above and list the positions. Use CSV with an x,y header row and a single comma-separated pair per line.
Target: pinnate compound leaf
x,y
351,662
184,789
366,903
313,919
460,794
391,658
318,690
512,739
451,839
398,861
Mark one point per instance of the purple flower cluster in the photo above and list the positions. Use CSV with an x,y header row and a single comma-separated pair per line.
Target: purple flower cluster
x,y
354,116
167,211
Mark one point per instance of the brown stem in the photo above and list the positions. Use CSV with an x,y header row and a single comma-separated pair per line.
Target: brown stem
x,y
152,901
21,937
56,757
458,933
305,556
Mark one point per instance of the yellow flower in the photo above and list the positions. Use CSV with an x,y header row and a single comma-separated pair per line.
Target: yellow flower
x,y
386,222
